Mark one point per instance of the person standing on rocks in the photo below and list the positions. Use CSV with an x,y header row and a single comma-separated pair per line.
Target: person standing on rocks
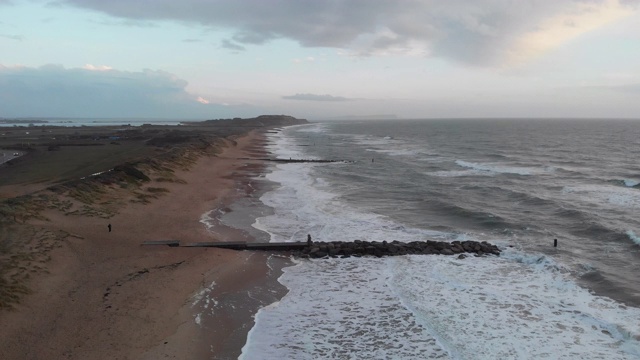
x,y
109,227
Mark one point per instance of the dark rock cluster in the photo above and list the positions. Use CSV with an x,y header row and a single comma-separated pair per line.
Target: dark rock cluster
x,y
360,248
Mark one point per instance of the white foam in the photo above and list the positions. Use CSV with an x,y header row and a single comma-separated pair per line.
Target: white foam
x,y
414,153
338,316
632,235
395,152
285,147
304,204
605,194
393,147
459,173
203,302
370,140
497,168
208,219
416,307
316,128
630,183
505,308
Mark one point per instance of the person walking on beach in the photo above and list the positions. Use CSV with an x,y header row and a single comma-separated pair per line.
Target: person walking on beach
x,y
109,226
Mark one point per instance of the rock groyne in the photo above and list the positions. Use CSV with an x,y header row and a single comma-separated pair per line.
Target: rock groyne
x,y
360,248
357,248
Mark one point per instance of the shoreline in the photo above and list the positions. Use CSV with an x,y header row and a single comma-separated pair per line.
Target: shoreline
x,y
104,296
224,309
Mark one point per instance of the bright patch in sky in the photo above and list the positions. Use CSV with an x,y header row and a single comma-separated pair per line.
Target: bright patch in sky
x,y
320,59
559,29
202,100
97,68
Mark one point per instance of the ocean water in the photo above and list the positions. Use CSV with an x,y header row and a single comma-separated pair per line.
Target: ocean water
x,y
517,184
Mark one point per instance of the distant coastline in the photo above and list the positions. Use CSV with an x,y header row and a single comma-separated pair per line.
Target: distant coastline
x,y
65,121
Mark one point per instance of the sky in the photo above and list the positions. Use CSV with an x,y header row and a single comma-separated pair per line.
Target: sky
x,y
320,59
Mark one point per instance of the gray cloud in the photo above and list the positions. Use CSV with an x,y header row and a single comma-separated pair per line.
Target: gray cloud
x,y
313,97
629,88
226,44
471,31
635,88
127,22
52,90
631,2
12,37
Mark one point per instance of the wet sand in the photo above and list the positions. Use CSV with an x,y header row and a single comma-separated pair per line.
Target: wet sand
x,y
107,297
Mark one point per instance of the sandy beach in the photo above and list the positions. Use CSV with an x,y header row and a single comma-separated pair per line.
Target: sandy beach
x,y
104,296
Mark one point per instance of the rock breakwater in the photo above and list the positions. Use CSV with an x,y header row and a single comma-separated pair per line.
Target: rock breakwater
x,y
360,248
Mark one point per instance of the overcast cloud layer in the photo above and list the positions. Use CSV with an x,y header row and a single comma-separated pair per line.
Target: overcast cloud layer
x,y
481,32
319,58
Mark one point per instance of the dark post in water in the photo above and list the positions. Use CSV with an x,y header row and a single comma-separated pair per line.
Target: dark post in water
x,y
555,242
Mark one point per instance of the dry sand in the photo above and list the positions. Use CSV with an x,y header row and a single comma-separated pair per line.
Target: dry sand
x,y
108,297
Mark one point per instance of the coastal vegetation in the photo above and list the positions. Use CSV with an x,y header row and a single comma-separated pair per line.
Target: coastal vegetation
x,y
91,172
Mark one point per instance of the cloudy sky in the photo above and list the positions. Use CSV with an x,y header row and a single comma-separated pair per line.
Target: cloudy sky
x,y
202,59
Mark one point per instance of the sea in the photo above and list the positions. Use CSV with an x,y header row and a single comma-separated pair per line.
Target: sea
x,y
516,183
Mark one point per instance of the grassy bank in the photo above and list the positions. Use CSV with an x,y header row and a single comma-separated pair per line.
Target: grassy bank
x,y
90,172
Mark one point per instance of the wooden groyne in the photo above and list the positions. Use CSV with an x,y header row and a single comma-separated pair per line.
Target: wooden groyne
x,y
297,160
357,248
243,245
172,243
